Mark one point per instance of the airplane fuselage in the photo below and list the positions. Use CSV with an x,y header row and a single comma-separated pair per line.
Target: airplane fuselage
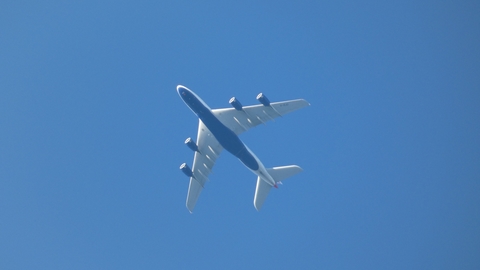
x,y
226,137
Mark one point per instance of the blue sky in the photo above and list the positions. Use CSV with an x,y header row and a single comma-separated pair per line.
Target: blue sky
x,y
92,134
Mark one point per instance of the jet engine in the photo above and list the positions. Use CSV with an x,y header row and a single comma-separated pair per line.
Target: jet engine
x,y
263,99
235,103
191,144
186,170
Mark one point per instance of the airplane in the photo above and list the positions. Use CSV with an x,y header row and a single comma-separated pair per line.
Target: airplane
x,y
218,129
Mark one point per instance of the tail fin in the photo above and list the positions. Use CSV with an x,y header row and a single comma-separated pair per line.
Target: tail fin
x,y
278,174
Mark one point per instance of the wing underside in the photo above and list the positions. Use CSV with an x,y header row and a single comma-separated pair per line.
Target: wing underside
x,y
240,121
208,151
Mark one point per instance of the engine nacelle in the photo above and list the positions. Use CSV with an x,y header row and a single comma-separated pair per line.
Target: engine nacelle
x,y
186,170
235,103
263,99
191,144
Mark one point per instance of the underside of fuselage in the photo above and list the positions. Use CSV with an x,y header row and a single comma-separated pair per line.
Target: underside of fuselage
x,y
226,137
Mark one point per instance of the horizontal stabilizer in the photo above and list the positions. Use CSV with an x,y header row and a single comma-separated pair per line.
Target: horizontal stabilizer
x,y
278,174
284,172
261,193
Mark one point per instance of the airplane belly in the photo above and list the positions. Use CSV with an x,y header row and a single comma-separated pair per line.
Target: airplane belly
x,y
248,159
229,140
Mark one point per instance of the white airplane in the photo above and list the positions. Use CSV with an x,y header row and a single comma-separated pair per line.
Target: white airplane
x,y
218,129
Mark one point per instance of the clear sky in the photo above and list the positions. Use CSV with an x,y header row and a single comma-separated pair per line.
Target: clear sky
x,y
92,134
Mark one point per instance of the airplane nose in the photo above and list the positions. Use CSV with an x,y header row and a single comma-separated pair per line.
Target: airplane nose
x,y
181,90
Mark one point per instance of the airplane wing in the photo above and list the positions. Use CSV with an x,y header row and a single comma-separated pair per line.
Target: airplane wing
x,y
208,151
250,116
